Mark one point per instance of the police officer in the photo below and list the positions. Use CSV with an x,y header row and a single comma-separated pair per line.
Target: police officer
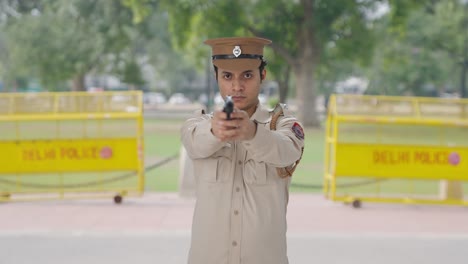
x,y
241,164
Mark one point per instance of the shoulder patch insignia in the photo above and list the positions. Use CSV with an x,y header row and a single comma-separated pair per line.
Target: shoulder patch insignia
x,y
298,131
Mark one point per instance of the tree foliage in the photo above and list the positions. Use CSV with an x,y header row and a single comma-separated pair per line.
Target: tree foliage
x,y
423,57
59,40
420,43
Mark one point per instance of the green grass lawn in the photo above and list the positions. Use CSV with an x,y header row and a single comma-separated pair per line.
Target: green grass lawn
x,y
162,141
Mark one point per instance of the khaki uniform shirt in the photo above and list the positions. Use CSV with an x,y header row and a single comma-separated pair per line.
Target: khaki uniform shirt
x,y
240,212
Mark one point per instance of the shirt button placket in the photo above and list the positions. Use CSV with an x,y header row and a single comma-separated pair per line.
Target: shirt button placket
x,y
236,210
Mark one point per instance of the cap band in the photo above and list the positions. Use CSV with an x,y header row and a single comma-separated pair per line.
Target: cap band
x,y
241,56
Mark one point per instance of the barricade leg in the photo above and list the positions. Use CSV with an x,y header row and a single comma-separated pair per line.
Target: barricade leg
x,y
451,190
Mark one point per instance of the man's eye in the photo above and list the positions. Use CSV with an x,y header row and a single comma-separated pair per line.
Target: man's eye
x,y
227,76
248,75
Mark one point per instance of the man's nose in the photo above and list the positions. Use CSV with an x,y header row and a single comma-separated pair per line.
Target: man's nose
x,y
237,85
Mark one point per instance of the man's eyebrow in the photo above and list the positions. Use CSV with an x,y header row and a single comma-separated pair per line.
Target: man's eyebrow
x,y
244,72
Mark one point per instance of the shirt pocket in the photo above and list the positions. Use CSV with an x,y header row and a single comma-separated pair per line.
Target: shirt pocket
x,y
255,173
223,164
215,169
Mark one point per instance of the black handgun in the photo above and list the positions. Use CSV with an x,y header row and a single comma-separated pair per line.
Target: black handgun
x,y
228,106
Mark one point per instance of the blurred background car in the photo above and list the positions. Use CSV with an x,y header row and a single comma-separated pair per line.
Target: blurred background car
x,y
154,98
179,98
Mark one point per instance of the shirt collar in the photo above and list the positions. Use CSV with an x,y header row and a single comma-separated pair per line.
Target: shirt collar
x,y
261,114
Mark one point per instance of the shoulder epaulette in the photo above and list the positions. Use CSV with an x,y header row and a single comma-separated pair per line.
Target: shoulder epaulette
x,y
277,112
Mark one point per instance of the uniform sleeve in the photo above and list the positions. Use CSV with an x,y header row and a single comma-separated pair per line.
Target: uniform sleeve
x,y
281,147
197,138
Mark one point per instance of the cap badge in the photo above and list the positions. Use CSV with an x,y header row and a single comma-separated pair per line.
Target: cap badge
x,y
237,51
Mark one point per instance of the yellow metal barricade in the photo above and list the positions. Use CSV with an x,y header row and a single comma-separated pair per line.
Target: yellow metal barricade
x,y
71,145
396,149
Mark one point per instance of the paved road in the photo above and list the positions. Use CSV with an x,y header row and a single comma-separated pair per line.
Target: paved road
x,y
156,229
171,248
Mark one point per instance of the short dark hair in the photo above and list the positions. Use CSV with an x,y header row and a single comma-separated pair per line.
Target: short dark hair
x,y
260,68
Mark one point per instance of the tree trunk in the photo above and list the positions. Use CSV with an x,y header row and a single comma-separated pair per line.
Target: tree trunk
x,y
283,84
304,70
306,95
79,83
283,91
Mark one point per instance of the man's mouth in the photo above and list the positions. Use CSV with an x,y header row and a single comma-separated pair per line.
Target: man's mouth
x,y
237,98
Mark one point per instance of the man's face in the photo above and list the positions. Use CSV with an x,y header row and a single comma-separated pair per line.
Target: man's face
x,y
243,86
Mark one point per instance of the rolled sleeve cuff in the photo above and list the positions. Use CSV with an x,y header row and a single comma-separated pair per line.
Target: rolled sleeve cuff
x,y
205,136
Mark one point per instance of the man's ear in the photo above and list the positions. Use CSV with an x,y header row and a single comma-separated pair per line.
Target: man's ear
x,y
263,75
